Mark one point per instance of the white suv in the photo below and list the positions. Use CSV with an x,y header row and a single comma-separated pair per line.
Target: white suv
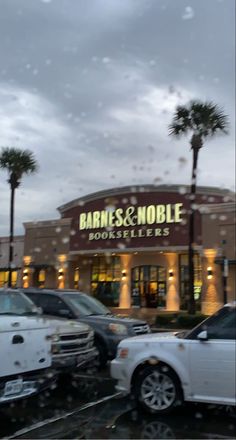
x,y
162,370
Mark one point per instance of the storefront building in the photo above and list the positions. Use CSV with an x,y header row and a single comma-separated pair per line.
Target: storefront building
x,y
17,262
129,247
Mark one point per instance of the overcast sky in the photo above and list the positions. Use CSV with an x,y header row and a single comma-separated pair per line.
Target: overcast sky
x,y
90,87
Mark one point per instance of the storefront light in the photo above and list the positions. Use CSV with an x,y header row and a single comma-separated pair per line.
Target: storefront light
x,y
171,274
123,274
60,274
25,275
209,273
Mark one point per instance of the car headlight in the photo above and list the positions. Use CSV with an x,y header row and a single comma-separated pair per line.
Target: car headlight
x,y
118,329
122,353
55,338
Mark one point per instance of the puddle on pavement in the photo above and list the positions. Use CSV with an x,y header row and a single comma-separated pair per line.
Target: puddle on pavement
x,y
70,394
71,413
190,422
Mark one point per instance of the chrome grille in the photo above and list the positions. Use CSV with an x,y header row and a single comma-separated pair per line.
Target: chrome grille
x,y
73,347
71,337
71,344
141,329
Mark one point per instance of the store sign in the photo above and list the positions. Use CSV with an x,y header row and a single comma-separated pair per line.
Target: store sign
x,y
132,219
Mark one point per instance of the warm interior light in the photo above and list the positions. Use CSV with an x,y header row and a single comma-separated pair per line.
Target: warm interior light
x,y
209,273
171,274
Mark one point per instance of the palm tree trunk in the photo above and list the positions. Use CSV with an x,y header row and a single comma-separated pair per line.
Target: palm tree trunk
x,y
192,305
11,238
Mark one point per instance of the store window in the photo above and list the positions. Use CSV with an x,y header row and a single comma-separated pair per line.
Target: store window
x,y
184,281
106,277
4,278
42,278
148,286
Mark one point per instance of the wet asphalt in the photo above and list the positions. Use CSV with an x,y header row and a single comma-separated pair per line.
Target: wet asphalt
x,y
90,408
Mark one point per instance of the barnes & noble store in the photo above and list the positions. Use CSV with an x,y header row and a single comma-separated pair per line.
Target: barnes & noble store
x,y
128,247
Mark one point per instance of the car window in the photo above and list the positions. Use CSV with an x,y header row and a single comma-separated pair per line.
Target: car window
x,y
15,304
225,328
86,305
221,325
52,305
33,297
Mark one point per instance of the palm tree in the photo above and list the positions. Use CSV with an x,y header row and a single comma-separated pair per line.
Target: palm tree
x,y
17,163
201,120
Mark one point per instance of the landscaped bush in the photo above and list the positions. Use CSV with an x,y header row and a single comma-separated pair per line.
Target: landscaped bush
x,y
166,320
189,321
179,320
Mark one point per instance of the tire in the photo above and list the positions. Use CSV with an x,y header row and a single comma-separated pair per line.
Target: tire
x,y
157,389
102,353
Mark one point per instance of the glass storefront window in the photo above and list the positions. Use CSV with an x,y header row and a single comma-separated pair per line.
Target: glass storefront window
x,y
76,278
148,286
4,278
41,278
106,277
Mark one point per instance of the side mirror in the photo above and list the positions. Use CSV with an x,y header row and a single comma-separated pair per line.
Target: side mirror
x,y
37,310
202,336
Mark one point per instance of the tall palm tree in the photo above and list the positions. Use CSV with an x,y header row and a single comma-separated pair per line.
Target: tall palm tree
x,y
16,162
201,120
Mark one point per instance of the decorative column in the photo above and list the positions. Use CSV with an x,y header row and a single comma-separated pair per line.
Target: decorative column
x,y
125,285
62,273
212,292
172,283
26,272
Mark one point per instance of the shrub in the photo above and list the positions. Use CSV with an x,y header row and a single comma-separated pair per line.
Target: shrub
x,y
179,320
166,320
189,321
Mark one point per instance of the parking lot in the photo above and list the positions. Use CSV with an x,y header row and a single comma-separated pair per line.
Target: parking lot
x,y
91,408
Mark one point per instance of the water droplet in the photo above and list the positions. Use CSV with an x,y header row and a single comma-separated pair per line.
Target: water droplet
x,y
106,60
188,13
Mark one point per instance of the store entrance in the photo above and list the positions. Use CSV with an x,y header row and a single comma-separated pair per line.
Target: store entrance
x,y
148,286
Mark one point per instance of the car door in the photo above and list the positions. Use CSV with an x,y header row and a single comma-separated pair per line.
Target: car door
x,y
212,361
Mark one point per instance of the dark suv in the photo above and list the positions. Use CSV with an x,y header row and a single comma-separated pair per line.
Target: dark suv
x,y
109,329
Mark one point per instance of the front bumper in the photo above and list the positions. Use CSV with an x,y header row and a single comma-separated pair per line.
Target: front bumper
x,y
68,362
112,344
32,383
119,372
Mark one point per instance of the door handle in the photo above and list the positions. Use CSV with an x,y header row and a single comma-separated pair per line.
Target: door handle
x,y
17,339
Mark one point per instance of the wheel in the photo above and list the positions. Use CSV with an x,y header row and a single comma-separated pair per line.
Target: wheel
x,y
157,430
157,389
102,353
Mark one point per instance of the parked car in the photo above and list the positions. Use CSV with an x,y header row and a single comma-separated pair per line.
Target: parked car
x,y
109,329
72,342
162,370
25,349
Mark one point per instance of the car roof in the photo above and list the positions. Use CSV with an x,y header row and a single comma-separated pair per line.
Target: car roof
x,y
9,290
55,292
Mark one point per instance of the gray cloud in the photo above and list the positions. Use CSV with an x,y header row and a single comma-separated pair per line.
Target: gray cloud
x,y
90,87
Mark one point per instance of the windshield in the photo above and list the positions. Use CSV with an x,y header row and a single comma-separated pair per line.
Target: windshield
x,y
87,305
14,303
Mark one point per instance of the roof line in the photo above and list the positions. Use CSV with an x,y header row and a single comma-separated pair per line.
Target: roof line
x,y
210,190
